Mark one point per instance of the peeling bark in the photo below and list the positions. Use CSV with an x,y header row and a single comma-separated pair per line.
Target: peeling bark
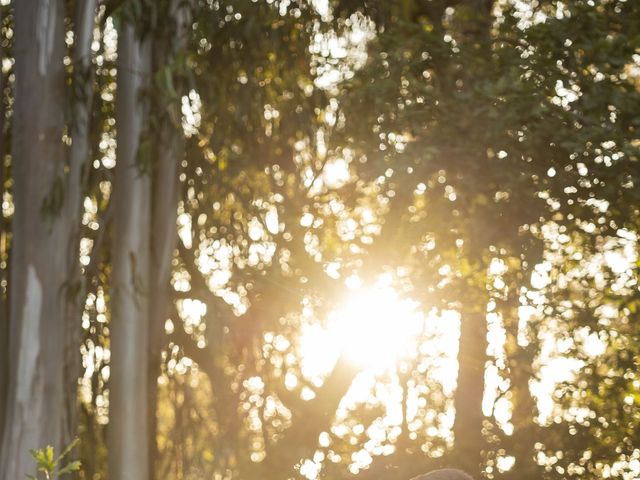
x,y
38,277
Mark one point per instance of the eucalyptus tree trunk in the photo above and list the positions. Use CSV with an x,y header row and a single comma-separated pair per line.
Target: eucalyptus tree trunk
x,y
131,254
82,93
163,241
4,233
34,413
170,151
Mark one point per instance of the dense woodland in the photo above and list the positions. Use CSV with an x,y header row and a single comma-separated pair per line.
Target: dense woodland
x,y
191,189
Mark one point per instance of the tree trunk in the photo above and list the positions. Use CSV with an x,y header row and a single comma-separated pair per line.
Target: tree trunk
x,y
472,353
82,93
170,142
524,411
127,436
469,418
163,242
4,358
4,337
35,403
520,370
4,232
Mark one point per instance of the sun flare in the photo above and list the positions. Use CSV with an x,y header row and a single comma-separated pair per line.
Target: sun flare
x,y
376,330
385,336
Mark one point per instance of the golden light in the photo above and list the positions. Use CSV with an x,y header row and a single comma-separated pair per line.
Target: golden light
x,y
383,335
377,329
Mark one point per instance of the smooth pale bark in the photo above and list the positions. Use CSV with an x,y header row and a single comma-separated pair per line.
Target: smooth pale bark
x,y
163,242
127,435
468,423
35,403
82,93
164,215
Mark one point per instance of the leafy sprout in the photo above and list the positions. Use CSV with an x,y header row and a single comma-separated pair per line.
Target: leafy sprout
x,y
52,467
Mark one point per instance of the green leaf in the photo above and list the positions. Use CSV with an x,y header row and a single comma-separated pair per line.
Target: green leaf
x,y
70,447
71,467
49,457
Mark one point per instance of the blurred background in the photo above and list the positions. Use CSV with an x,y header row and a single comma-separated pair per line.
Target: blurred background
x,y
307,239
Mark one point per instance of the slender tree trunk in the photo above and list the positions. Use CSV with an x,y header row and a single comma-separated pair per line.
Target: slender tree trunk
x,y
163,242
35,403
4,358
468,424
520,360
4,232
128,441
4,336
164,212
82,93
4,361
524,411
472,354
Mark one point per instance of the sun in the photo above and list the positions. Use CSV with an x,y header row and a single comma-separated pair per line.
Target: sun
x,y
375,328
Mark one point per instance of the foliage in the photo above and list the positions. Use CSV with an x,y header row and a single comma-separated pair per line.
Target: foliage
x,y
53,468
486,156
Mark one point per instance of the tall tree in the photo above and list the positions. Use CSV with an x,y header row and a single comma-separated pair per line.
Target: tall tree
x,y
40,239
169,64
78,164
4,242
131,260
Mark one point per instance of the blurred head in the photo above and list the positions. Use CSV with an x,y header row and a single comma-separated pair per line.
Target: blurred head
x,y
444,474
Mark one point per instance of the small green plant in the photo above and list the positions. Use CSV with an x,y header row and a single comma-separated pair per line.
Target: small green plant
x,y
50,467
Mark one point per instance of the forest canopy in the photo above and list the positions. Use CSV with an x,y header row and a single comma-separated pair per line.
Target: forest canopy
x,y
319,239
